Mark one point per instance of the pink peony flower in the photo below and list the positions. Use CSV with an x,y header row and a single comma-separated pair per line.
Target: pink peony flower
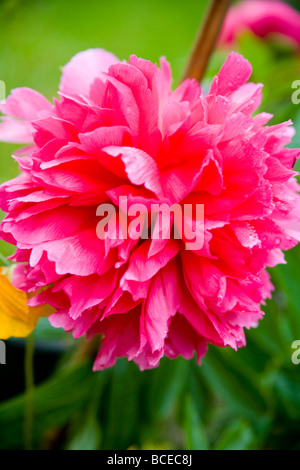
x,y
263,18
116,130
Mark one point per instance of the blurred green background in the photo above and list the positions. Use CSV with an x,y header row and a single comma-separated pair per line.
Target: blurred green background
x,y
248,399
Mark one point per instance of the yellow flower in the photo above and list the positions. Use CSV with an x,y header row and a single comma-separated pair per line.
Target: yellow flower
x,y
16,317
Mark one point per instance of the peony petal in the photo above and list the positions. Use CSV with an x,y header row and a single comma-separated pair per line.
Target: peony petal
x,y
79,74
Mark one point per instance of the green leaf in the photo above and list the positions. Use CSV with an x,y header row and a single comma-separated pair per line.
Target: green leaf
x,y
239,436
287,389
89,435
54,403
195,433
231,385
4,261
121,411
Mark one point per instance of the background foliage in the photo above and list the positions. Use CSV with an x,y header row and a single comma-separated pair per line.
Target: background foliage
x,y
236,400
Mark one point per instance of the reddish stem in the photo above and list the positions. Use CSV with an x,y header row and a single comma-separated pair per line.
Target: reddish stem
x,y
206,40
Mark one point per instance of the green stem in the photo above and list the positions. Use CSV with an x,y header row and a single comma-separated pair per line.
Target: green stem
x,y
29,393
